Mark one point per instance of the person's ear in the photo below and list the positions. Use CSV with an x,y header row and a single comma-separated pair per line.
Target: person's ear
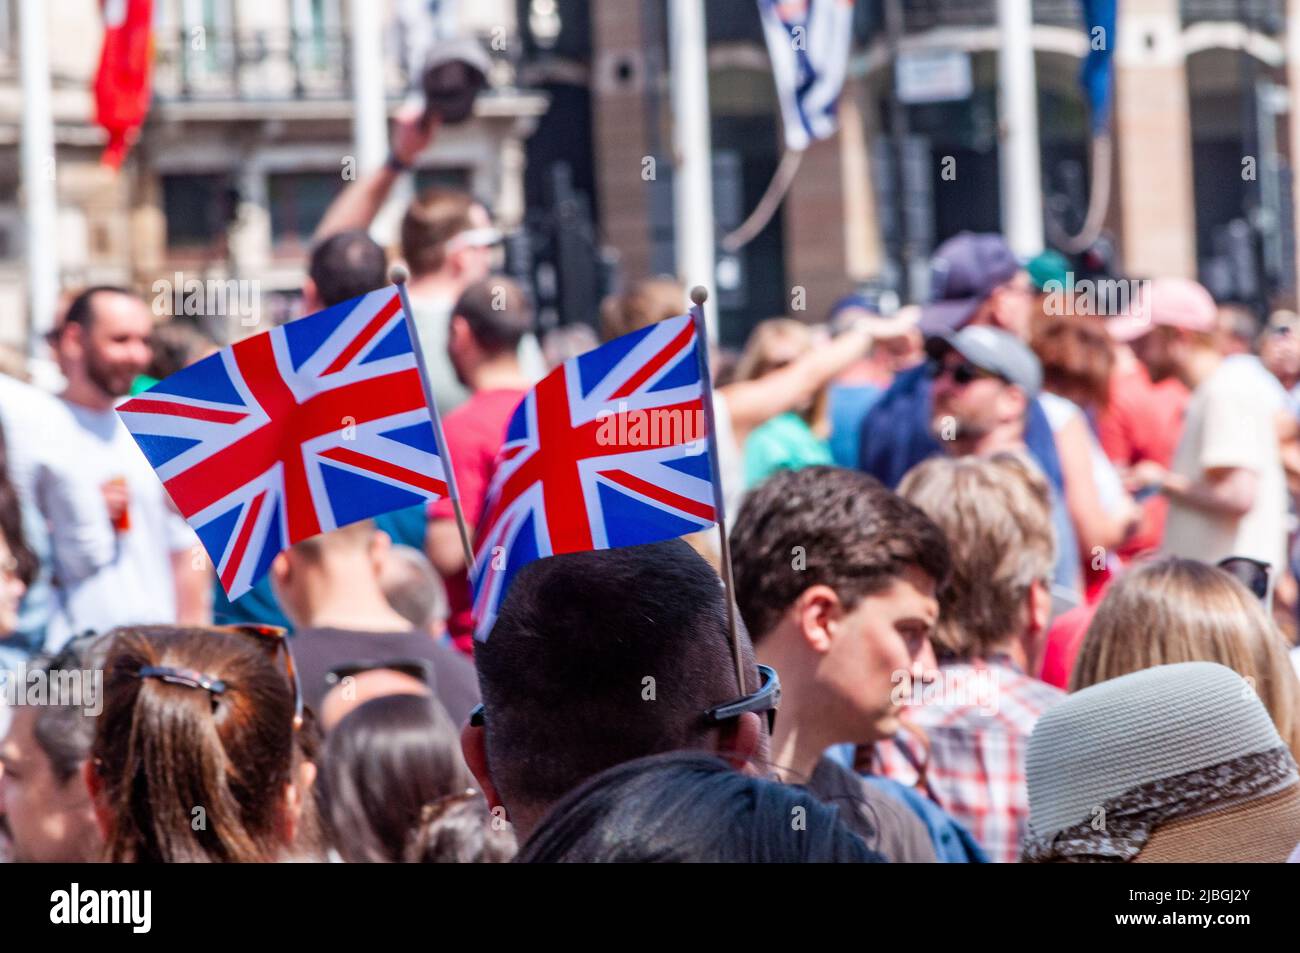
x,y
458,333
816,612
380,546
1015,403
473,745
740,742
72,340
281,569
1038,612
295,794
95,787
311,302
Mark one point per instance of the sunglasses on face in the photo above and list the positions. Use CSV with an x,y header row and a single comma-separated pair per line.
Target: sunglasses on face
x,y
962,374
764,701
475,238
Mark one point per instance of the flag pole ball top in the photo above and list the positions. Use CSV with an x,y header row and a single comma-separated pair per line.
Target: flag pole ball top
x,y
398,274
699,294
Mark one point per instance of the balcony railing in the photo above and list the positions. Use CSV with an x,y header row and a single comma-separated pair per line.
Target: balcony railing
x,y
1266,16
922,15
254,65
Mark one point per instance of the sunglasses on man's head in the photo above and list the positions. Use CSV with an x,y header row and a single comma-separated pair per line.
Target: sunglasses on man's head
x,y
764,701
274,637
962,374
418,669
1255,574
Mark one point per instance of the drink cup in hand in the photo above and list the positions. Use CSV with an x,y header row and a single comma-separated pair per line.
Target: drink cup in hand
x,y
117,496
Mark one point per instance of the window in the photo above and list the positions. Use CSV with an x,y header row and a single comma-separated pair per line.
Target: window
x,y
454,178
316,28
8,29
197,209
298,202
209,40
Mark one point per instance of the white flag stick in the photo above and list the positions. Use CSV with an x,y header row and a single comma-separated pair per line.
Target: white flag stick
x,y
699,295
398,275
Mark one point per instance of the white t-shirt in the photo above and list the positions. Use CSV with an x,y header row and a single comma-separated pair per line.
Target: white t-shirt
x,y
137,586
1230,422
432,317
62,528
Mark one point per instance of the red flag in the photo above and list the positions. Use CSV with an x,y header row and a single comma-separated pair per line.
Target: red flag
x,y
122,84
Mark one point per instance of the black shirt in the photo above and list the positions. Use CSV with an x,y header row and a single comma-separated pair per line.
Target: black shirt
x,y
887,825
316,651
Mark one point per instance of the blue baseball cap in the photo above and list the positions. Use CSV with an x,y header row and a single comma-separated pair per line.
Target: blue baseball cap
x,y
964,271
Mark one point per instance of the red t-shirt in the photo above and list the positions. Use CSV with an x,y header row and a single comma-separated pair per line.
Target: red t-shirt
x,y
1143,421
475,431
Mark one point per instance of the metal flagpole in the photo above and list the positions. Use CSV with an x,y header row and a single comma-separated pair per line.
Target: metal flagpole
x,y
692,148
36,146
398,275
699,295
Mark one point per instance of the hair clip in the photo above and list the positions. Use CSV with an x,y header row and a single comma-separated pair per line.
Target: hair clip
x,y
183,676
438,807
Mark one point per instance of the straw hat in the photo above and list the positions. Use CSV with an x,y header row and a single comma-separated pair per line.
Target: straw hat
x,y
1172,763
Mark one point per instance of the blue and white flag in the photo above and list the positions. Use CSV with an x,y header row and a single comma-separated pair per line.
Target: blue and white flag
x,y
1099,16
808,41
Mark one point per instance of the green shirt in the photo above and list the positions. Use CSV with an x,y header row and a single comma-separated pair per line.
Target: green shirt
x,y
785,442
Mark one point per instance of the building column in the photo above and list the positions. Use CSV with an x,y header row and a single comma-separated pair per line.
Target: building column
x,y
864,253
1293,122
814,219
1153,140
620,125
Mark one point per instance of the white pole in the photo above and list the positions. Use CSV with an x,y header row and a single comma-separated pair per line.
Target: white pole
x,y
38,170
1022,189
693,151
369,106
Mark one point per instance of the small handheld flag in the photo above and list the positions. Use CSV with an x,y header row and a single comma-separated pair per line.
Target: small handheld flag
x,y
610,449
293,432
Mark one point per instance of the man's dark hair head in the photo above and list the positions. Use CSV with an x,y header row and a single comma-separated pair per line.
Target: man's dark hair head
x,y
497,312
564,671
347,265
64,728
81,310
827,526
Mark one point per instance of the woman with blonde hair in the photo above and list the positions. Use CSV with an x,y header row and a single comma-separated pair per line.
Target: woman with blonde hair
x,y
1177,610
799,437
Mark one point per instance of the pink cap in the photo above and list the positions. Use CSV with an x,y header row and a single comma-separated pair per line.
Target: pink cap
x,y
1173,302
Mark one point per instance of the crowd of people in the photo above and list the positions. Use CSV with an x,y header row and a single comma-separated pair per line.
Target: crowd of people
x,y
1014,581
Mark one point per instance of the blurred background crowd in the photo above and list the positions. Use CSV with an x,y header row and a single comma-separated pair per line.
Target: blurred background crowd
x,y
971,429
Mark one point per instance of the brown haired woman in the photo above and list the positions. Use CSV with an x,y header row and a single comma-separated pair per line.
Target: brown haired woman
x,y
200,754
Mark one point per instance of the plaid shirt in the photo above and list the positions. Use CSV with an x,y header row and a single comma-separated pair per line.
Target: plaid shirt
x,y
977,732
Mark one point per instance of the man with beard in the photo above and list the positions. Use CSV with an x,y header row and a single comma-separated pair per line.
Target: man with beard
x,y
984,382
102,346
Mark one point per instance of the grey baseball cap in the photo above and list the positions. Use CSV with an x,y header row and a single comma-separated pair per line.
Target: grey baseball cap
x,y
995,351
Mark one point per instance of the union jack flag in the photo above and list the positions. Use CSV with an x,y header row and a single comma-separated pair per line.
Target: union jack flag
x,y
293,432
609,449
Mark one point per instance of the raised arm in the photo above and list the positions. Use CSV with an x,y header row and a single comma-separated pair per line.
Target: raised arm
x,y
753,402
358,204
